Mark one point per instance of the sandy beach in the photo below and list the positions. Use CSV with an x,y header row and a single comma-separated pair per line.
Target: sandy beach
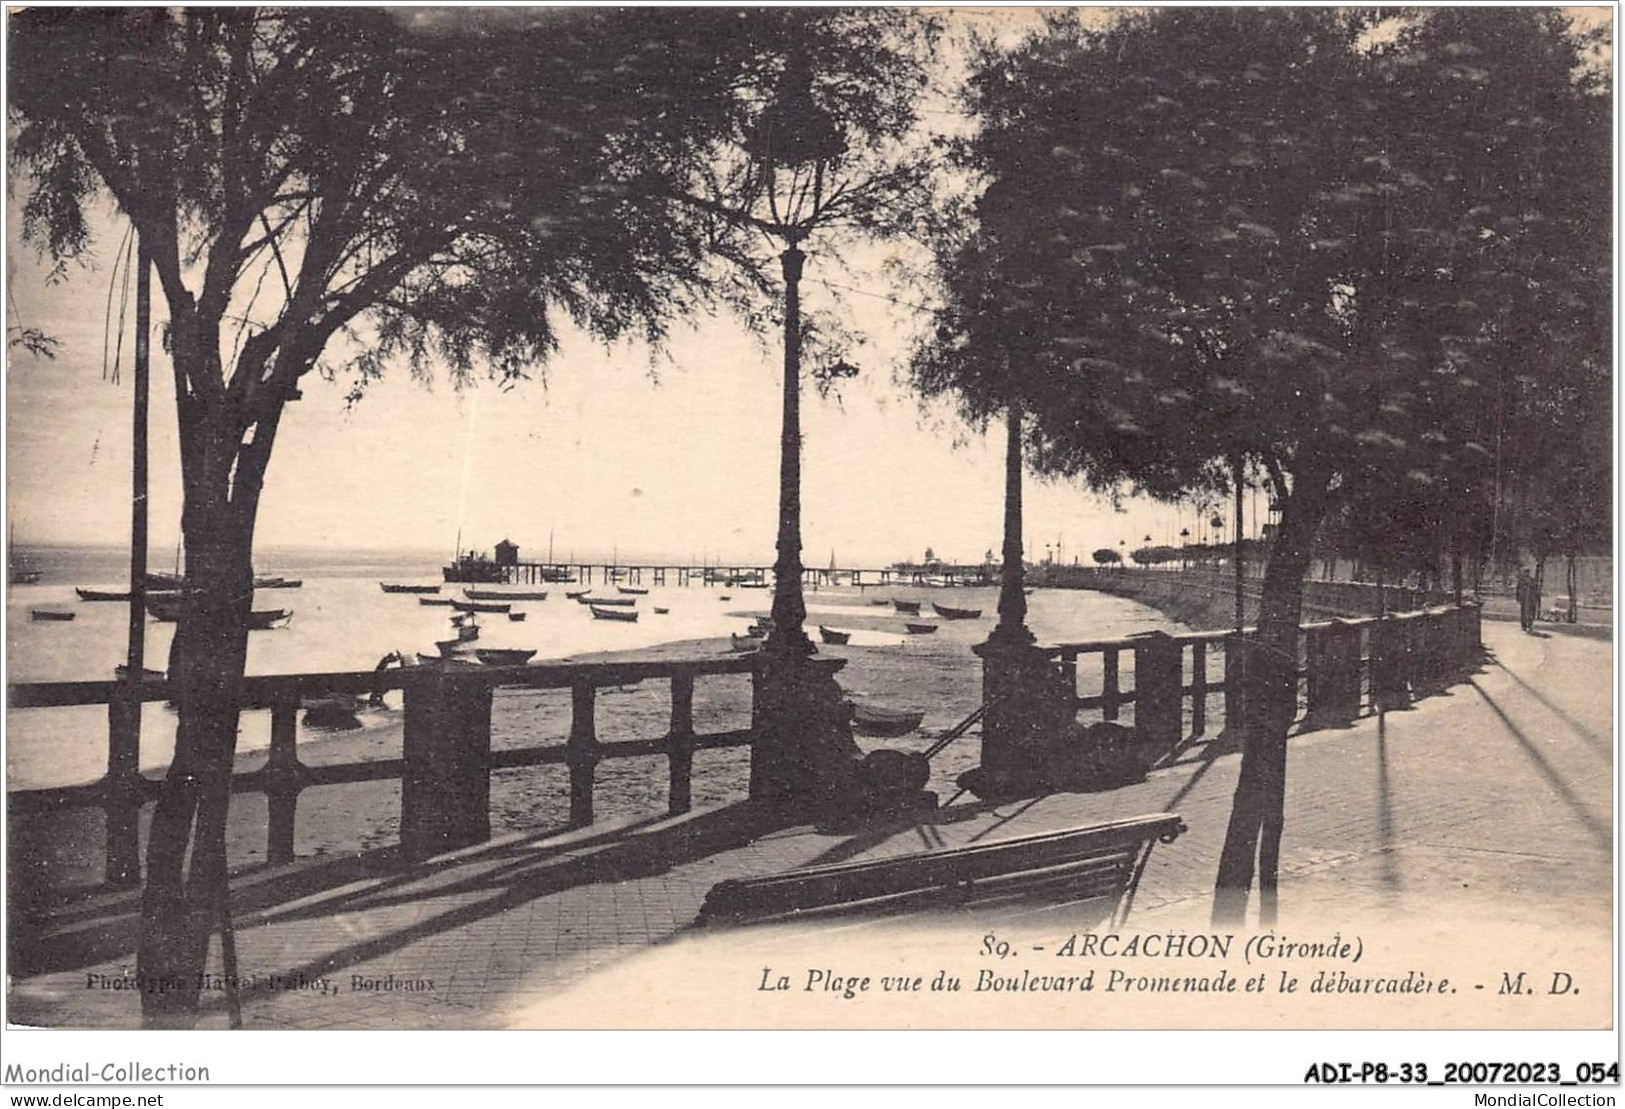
x,y
935,673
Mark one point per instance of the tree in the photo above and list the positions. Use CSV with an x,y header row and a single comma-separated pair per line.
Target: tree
x,y
357,187
1250,238
1106,556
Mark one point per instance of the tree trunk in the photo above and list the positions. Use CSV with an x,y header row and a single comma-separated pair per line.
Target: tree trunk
x,y
1573,583
1257,814
185,891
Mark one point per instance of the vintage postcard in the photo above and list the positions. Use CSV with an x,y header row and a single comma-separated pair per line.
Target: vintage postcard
x,y
813,518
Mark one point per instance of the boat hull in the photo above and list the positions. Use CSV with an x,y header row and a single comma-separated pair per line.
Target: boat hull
x,y
624,615
870,720
503,595
479,606
390,588
503,657
830,635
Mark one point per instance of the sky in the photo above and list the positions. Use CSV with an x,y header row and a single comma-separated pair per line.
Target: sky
x,y
609,452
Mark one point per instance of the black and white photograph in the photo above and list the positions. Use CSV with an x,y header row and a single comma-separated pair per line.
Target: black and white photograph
x,y
813,518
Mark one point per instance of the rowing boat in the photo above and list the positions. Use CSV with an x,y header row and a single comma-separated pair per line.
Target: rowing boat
x,y
743,643
266,619
611,602
443,601
576,594
921,629
478,606
501,595
389,588
114,595
495,656
949,613
907,608
635,590
628,615
50,614
874,720
830,635
661,611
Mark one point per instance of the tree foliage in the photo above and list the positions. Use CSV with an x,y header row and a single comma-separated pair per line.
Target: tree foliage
x,y
341,190
1330,244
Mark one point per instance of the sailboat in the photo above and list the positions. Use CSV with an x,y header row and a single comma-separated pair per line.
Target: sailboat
x,y
19,571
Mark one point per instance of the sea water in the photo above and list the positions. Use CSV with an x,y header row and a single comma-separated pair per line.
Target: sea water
x,y
343,621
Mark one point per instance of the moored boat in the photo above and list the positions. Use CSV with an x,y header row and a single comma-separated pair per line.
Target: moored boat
x,y
503,656
445,660
576,594
877,721
611,602
114,594
743,643
266,619
388,587
599,612
278,583
50,614
479,606
442,601
908,608
475,568
830,635
921,629
504,595
661,611
947,612
516,616
635,590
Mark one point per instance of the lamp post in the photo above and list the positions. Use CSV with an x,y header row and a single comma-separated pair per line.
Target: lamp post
x,y
804,755
795,148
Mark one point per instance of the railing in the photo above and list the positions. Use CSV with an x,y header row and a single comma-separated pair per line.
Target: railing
x,y
446,760
1346,668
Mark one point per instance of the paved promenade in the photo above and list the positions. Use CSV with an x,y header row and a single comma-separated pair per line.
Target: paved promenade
x,y
1495,796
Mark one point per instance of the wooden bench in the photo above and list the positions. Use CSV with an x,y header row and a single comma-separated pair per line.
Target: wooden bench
x,y
1079,864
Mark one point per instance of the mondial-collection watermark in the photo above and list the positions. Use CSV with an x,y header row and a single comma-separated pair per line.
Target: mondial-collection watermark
x,y
83,1074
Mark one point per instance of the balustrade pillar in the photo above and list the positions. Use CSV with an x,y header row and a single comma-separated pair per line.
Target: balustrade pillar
x,y
1159,698
446,784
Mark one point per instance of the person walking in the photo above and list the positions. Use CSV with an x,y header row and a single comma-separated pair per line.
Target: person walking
x,y
1528,602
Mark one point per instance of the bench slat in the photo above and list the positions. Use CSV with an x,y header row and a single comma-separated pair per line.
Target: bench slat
x,y
1101,855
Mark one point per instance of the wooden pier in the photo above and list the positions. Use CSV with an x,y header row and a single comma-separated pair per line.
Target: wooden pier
x,y
742,576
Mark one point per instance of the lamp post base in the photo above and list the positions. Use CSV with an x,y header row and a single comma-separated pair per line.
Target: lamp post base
x,y
1029,709
805,764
